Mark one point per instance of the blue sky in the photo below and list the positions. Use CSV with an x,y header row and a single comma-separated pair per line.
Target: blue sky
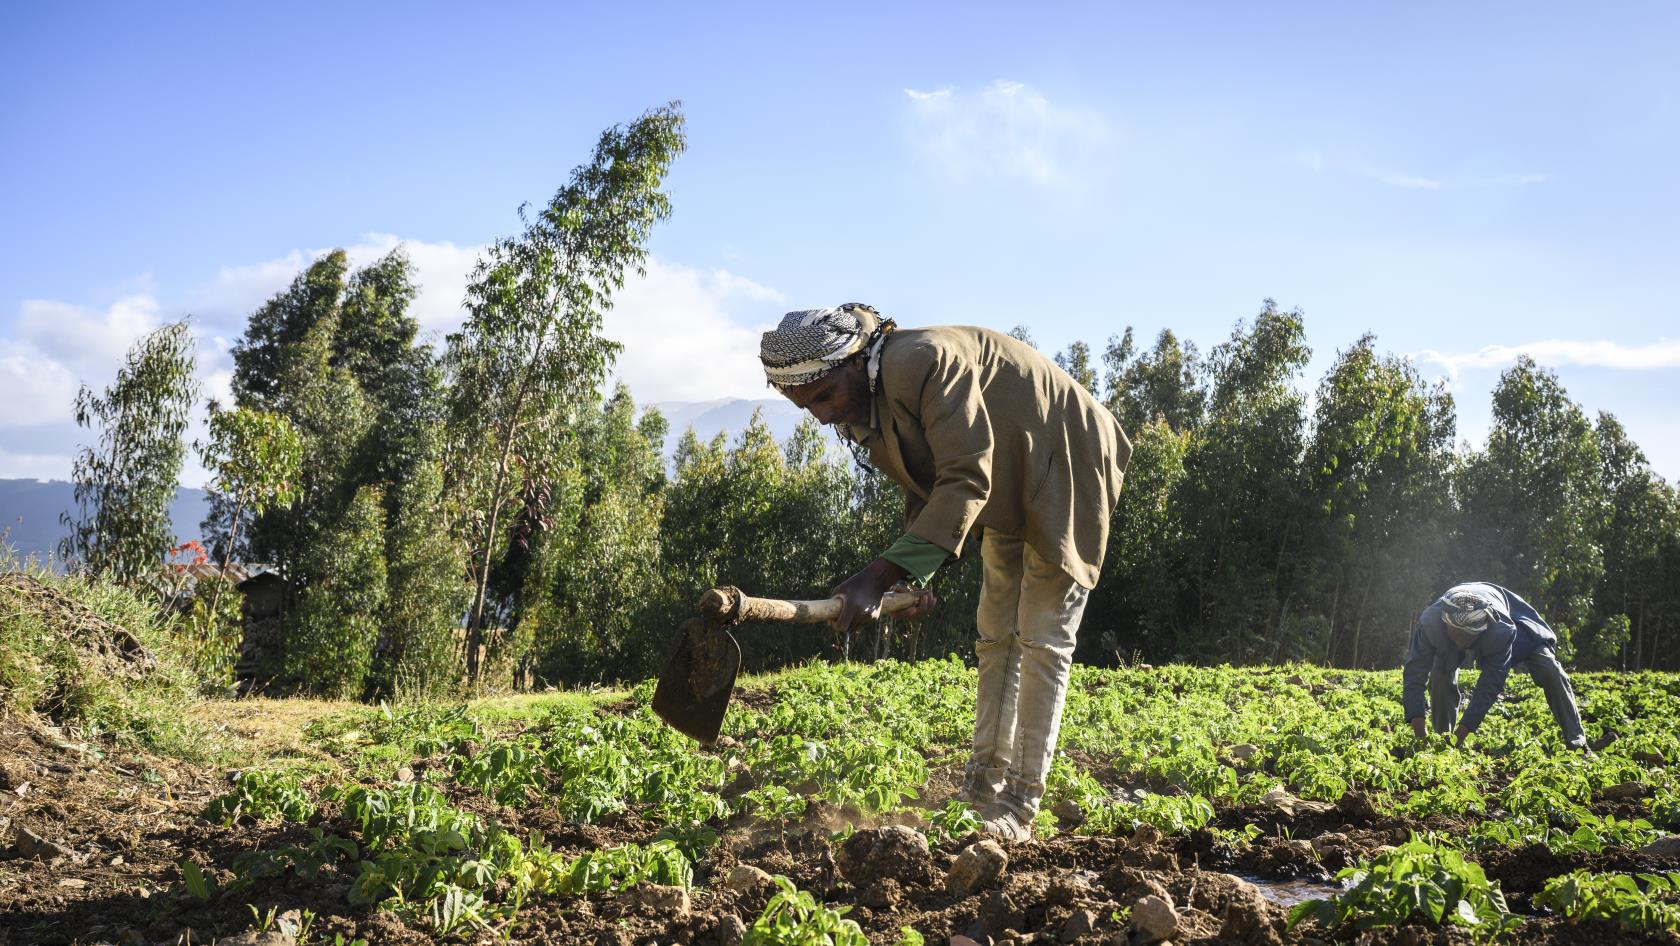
x,y
1466,181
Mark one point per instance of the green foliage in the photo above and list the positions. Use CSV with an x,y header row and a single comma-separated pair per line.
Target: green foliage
x,y
125,483
1645,903
336,623
1592,834
45,669
254,457
426,591
796,918
259,795
954,820
1173,814
616,868
195,881
531,348
1535,501
211,631
1421,879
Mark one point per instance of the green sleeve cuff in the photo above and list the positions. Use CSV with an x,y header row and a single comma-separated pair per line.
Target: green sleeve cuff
x,y
917,556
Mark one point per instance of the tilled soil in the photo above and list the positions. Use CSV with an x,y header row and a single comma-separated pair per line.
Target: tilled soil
x,y
113,831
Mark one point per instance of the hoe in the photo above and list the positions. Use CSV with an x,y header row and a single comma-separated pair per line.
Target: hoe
x,y
694,689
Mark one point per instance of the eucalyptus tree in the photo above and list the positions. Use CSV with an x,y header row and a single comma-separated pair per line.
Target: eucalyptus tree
x,y
1162,382
1377,477
254,459
591,603
1239,500
531,348
1637,598
1137,607
1534,502
1076,361
125,483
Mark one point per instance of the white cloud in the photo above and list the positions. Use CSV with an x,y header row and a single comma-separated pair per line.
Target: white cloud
x,y
40,389
83,338
1408,181
690,335
1662,353
441,271
1003,130
16,465
1411,181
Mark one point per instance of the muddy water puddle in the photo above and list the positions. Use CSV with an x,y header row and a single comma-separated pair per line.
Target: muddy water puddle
x,y
1287,893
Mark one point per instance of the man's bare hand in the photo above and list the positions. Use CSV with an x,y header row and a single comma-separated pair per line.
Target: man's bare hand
x,y
922,607
1418,727
860,595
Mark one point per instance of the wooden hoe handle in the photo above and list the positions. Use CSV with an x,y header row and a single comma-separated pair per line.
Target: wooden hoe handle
x,y
732,606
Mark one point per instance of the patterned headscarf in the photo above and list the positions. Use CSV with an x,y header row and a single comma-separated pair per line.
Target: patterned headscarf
x,y
1469,611
810,343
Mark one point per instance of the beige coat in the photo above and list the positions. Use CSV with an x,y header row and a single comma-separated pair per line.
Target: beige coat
x,y
983,430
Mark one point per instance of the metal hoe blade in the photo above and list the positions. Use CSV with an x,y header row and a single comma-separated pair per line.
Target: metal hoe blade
x,y
699,678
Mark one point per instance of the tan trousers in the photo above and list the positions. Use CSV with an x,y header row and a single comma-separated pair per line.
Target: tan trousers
x,y
1028,622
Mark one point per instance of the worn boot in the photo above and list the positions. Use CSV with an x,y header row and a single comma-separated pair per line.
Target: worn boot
x,y
1008,819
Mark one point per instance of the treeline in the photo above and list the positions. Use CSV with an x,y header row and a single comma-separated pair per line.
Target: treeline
x,y
483,512
1259,525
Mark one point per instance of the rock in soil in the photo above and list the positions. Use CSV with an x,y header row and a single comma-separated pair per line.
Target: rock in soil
x,y
29,844
744,878
1153,920
1068,812
1329,841
1280,799
731,930
1082,923
1624,791
253,938
979,865
1244,753
894,851
1664,847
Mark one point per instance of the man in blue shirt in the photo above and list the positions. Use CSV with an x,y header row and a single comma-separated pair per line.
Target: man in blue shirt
x,y
1496,629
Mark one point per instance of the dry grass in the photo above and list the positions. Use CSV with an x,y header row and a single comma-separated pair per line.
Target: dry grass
x,y
260,731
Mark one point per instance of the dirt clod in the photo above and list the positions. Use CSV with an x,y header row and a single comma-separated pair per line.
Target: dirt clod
x,y
1667,846
670,902
893,851
979,865
1153,920
1082,923
1248,917
731,930
1624,791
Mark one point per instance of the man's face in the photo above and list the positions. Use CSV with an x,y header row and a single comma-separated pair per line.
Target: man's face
x,y
839,397
1460,639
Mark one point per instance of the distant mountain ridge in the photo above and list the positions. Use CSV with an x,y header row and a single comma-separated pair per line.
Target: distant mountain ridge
x,y
30,510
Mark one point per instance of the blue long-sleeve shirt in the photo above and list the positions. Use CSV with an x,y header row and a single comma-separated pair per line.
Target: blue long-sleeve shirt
x,y
1517,631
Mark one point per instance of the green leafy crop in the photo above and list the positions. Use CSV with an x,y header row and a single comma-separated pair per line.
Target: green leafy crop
x,y
1646,903
1420,879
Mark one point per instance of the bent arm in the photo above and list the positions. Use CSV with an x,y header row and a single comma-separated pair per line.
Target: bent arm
x,y
1496,668
1414,674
